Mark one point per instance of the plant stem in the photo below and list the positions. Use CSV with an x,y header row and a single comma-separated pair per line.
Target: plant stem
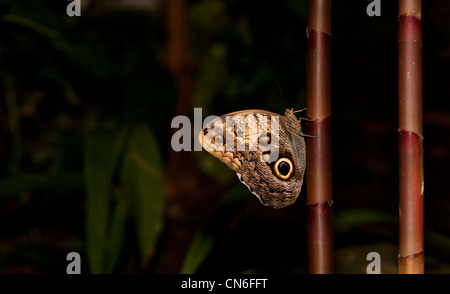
x,y
178,52
318,150
411,249
13,111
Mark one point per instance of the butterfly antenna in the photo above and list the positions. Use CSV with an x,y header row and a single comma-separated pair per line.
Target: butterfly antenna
x,y
300,110
281,93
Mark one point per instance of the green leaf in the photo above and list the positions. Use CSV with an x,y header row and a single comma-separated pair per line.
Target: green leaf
x,y
61,182
299,7
438,239
215,225
102,153
142,179
358,217
207,14
31,25
118,229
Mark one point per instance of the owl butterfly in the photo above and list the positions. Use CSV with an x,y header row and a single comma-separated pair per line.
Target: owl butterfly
x,y
265,149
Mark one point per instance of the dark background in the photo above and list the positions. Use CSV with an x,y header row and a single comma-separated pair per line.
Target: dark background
x,y
67,81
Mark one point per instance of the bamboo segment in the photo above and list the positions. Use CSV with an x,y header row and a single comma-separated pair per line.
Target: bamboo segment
x,y
319,198
320,238
410,7
318,149
411,178
318,82
318,172
412,264
177,48
319,16
411,203
410,73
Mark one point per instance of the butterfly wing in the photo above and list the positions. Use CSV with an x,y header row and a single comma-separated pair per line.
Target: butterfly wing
x,y
246,141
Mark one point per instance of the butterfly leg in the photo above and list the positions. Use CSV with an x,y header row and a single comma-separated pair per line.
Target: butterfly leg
x,y
308,136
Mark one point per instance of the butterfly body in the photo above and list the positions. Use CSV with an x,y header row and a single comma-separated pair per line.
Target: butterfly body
x,y
265,149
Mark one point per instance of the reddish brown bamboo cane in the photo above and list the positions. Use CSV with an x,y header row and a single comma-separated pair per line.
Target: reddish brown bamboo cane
x,y
179,178
318,150
411,249
178,53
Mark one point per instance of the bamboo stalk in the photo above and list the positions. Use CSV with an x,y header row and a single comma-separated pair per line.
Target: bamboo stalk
x,y
178,54
179,180
411,248
318,150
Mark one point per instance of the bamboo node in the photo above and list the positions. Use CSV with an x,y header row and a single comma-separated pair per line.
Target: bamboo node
x,y
412,255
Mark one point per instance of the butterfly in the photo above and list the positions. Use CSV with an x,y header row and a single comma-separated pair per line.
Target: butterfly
x,y
265,149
